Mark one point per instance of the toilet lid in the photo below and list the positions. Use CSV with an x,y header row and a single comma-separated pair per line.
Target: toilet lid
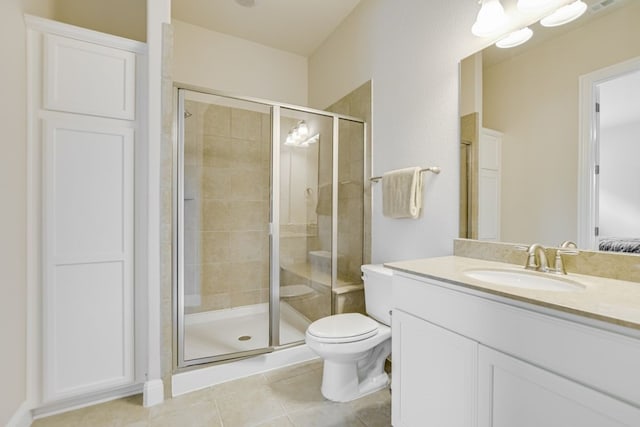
x,y
345,327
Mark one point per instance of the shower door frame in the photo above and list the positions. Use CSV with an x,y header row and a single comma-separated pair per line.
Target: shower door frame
x,y
179,363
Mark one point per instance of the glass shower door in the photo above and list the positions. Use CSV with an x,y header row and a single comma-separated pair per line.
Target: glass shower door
x,y
223,216
305,220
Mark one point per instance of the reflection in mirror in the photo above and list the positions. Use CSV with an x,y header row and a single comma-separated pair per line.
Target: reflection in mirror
x,y
543,187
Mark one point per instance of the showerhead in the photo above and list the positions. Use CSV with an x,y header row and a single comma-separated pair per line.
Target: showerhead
x,y
187,114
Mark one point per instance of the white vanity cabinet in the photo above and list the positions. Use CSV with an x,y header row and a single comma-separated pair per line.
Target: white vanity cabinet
x,y
463,358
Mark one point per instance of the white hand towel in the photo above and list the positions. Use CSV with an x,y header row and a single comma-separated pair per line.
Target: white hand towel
x,y
402,193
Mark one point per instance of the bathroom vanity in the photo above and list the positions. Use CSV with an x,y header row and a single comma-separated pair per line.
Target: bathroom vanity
x,y
470,352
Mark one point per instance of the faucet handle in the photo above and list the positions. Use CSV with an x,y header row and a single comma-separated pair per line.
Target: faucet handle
x,y
568,244
559,264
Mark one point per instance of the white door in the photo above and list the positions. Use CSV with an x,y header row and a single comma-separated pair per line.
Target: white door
x,y
514,393
618,192
434,375
88,255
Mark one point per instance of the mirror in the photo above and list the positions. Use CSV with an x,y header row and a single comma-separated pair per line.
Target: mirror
x,y
530,95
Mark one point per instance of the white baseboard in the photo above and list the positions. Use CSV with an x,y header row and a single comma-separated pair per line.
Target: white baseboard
x,y
22,417
197,379
153,393
88,399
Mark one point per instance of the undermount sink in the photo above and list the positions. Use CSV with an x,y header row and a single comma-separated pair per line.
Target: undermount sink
x,y
524,279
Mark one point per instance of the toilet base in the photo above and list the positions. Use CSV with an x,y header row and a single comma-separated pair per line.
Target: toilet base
x,y
347,381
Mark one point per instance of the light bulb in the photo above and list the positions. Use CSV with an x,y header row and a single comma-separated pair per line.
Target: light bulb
x,y
565,14
491,18
516,38
532,5
303,129
290,140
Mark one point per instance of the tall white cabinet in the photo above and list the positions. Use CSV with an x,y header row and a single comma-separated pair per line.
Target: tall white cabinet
x,y
489,189
85,124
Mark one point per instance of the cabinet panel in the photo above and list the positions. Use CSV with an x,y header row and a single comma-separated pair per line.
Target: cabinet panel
x,y
88,255
88,175
434,375
88,78
90,327
490,149
514,393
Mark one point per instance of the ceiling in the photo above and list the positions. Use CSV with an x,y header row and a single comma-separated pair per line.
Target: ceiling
x,y
297,26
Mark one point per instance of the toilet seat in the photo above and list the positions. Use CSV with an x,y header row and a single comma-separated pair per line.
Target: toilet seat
x,y
343,328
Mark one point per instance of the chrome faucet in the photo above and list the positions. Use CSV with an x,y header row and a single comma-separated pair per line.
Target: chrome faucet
x,y
537,258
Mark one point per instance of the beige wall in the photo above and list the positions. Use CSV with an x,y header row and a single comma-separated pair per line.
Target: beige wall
x,y
124,18
224,63
12,214
13,193
533,99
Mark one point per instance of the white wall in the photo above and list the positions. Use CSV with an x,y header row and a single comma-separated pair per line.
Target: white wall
x,y
411,50
225,63
13,212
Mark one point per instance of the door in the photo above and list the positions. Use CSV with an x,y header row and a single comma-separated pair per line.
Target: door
x,y
88,256
434,375
609,117
223,210
617,151
514,393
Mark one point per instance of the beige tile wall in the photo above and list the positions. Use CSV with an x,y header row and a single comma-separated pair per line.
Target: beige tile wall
x,y
228,156
354,210
166,203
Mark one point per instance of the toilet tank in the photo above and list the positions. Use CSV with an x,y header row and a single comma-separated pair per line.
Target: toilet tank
x,y
377,292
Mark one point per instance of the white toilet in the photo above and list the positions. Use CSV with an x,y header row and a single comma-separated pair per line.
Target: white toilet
x,y
354,347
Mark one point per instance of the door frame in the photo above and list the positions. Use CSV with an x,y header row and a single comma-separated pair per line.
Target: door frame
x,y
588,147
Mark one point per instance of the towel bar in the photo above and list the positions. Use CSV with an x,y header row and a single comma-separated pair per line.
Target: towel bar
x,y
434,169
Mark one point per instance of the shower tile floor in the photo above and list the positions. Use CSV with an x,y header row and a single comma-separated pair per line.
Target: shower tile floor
x,y
287,397
238,329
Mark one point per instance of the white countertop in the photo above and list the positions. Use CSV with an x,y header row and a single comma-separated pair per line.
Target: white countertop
x,y
609,300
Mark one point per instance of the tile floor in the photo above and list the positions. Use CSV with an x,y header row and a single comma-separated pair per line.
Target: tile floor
x,y
288,397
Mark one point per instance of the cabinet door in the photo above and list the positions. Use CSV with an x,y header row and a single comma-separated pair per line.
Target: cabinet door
x,y
514,393
87,78
434,375
88,256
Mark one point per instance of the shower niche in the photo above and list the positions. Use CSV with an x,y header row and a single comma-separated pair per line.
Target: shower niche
x,y
269,219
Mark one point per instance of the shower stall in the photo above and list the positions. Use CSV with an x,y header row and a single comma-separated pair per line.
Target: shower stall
x,y
269,208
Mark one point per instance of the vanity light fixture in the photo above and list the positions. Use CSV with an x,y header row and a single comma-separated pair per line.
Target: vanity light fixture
x,y
532,5
491,18
298,136
565,14
516,38
303,129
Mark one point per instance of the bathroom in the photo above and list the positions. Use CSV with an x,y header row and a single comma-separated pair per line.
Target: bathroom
x,y
411,55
